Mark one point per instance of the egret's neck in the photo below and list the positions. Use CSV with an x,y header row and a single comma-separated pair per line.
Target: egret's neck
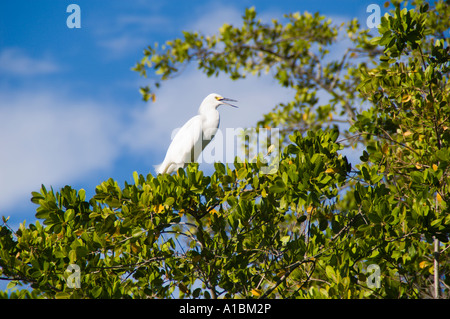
x,y
207,111
205,108
210,121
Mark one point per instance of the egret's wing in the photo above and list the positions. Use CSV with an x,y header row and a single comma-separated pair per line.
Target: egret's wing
x,y
185,146
187,143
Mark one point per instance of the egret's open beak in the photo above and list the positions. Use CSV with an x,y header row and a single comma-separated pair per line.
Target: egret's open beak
x,y
224,100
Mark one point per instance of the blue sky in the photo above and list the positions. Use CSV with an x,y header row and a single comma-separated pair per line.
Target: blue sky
x,y
70,109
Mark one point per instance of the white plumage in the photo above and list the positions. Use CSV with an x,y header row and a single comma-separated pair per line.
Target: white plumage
x,y
193,136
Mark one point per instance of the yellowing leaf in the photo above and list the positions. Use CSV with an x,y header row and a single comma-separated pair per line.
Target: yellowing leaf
x,y
422,264
79,232
305,116
213,211
406,98
438,197
263,193
256,292
135,248
385,148
434,166
158,209
407,133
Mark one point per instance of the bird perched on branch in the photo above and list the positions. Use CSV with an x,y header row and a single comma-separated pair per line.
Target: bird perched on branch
x,y
193,136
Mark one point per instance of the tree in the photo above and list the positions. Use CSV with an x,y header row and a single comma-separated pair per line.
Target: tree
x,y
314,228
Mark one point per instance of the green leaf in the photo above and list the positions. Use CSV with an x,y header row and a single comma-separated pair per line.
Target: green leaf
x,y
82,194
136,178
242,173
331,273
302,219
219,167
72,256
366,174
424,8
375,40
96,291
417,177
69,215
278,187
285,239
138,232
11,284
81,252
62,295
169,201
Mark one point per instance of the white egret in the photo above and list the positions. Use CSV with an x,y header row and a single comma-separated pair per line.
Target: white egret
x,y
193,137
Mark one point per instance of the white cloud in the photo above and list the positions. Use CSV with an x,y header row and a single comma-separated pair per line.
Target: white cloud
x,y
129,33
212,16
118,46
142,23
14,61
49,138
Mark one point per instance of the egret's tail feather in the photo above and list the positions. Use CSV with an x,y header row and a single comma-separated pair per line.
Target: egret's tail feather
x,y
161,168
164,167
167,167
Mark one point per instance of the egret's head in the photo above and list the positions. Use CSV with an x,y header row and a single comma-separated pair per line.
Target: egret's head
x,y
214,100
